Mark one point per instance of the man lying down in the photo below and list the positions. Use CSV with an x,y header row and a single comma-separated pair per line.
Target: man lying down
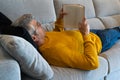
x,y
73,48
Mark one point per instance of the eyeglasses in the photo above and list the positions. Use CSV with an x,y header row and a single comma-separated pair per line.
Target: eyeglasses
x,y
38,24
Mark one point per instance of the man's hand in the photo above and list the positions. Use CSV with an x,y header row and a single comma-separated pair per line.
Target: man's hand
x,y
62,14
84,27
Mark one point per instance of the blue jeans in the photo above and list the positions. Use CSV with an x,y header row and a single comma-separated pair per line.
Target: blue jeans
x,y
108,37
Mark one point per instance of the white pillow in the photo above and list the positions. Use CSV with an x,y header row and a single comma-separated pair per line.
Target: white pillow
x,y
31,62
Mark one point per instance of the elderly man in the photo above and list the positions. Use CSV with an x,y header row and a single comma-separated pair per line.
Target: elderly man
x,y
75,48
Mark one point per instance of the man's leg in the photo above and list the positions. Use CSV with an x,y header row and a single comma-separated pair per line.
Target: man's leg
x,y
108,37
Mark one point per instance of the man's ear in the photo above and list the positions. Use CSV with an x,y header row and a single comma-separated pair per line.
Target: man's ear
x,y
34,37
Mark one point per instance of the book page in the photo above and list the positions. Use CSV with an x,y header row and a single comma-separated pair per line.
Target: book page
x,y
75,14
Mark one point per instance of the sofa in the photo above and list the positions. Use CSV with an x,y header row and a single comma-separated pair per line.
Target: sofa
x,y
16,65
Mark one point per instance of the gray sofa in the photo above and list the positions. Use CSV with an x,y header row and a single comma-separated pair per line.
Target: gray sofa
x,y
100,14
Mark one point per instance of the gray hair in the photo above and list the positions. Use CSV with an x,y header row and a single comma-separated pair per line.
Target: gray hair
x,y
24,21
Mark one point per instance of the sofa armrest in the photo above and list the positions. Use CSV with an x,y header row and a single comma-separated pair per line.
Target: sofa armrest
x,y
9,68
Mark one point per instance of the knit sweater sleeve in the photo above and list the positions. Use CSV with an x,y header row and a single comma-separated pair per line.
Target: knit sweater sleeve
x,y
90,56
59,25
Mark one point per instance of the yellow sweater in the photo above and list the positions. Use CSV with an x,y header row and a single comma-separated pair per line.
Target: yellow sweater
x,y
71,49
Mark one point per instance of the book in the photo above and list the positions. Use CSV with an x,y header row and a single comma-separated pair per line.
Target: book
x,y
75,14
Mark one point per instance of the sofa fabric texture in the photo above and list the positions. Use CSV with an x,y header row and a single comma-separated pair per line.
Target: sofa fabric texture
x,y
43,10
8,66
100,14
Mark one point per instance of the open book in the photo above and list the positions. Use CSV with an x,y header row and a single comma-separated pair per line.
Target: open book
x,y
75,14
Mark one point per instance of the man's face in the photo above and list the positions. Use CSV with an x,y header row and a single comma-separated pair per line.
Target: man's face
x,y
40,33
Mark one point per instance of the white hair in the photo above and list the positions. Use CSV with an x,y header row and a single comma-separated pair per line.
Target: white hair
x,y
24,21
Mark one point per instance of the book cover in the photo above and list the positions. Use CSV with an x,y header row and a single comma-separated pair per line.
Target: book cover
x,y
75,14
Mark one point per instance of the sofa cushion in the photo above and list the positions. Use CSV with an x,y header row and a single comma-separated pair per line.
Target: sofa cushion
x,y
95,23
43,10
106,7
113,56
111,21
75,74
8,66
89,8
31,62
48,26
113,76
9,70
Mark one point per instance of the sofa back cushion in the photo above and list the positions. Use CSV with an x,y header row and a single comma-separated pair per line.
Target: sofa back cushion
x,y
43,10
108,11
106,7
89,8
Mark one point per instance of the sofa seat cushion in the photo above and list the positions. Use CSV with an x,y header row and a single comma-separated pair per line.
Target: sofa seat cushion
x,y
29,59
111,21
75,74
113,57
113,76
